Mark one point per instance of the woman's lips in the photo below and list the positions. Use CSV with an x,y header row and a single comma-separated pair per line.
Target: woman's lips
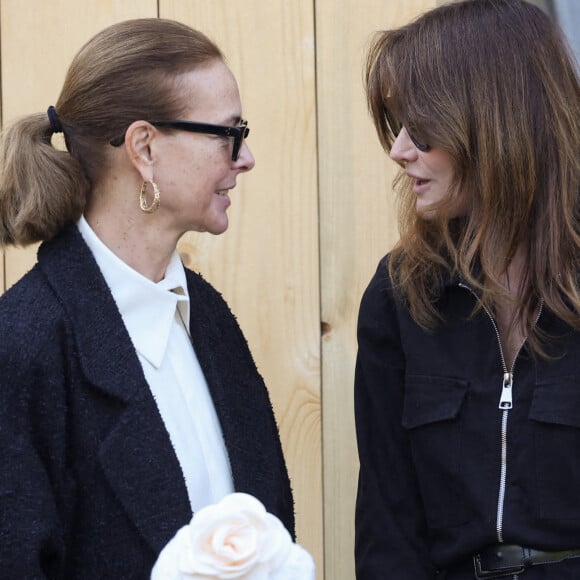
x,y
420,184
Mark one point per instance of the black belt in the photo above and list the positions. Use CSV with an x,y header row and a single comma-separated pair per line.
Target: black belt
x,y
503,560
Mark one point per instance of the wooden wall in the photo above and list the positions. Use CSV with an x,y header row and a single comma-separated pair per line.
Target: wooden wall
x,y
308,225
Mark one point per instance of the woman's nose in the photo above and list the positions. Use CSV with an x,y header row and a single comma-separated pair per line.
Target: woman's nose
x,y
245,161
403,149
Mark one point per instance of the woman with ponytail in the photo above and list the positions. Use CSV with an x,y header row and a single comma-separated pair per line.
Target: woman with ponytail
x,y
128,396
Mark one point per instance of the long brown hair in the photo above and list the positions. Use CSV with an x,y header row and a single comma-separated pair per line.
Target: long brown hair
x,y
126,72
492,83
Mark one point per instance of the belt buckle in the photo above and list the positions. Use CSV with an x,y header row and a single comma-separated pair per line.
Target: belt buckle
x,y
482,574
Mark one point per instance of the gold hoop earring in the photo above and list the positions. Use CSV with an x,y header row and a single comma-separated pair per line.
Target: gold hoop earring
x,y
143,197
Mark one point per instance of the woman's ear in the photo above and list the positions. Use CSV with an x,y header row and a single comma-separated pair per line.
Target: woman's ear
x,y
138,138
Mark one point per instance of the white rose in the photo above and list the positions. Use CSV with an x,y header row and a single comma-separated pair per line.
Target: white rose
x,y
233,539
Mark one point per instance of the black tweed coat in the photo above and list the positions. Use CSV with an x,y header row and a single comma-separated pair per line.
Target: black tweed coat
x,y
90,486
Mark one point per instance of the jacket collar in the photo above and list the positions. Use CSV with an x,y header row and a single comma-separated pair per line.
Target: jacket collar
x,y
103,343
148,308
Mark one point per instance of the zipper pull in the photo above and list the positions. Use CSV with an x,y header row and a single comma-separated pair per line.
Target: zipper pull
x,y
505,401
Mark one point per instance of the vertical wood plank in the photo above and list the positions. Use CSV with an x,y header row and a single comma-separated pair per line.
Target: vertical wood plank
x,y
357,227
38,42
266,264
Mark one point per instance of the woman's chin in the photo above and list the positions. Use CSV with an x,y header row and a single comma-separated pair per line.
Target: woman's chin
x,y
218,228
426,211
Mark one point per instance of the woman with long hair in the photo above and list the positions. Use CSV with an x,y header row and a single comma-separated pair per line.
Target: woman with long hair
x,y
467,388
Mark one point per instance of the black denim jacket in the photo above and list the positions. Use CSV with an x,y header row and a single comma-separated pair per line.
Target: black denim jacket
x,y
431,433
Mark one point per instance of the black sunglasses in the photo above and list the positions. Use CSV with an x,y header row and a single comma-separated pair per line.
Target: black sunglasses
x,y
395,125
238,133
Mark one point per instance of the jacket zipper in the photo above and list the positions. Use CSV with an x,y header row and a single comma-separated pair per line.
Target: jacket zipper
x,y
505,404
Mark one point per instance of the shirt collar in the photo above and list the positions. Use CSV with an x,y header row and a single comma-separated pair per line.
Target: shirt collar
x,y
147,308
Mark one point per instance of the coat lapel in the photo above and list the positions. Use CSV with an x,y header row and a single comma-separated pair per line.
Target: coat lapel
x,y
137,456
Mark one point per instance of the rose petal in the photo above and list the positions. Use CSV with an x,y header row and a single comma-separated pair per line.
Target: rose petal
x,y
235,543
